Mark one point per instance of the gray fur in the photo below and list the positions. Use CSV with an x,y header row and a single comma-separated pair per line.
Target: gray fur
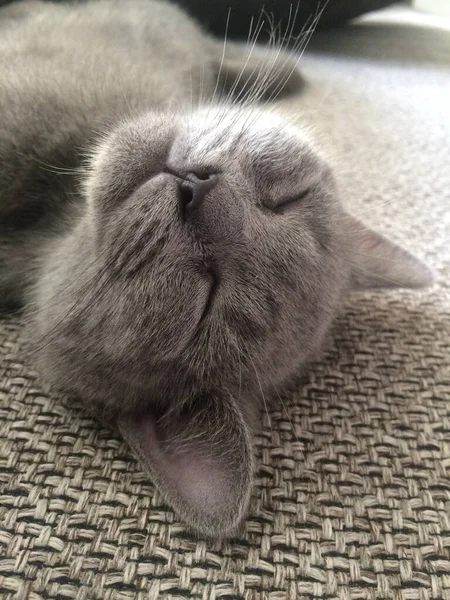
x,y
171,327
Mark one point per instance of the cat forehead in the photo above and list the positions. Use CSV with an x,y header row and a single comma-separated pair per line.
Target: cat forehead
x,y
219,131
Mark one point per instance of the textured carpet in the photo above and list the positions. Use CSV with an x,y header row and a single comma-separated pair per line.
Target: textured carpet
x,y
352,494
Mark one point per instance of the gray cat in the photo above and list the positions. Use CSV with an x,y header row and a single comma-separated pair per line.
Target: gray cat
x,y
178,255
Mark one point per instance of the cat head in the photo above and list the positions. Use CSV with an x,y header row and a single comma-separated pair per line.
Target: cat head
x,y
211,257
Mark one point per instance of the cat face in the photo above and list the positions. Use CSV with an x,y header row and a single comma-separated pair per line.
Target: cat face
x,y
240,285
211,258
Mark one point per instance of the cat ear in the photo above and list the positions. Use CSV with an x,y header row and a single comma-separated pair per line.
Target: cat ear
x,y
201,461
379,263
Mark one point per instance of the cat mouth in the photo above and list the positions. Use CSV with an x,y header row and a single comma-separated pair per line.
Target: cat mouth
x,y
212,275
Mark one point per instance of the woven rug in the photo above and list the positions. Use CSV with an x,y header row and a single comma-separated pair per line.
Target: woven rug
x,y
352,491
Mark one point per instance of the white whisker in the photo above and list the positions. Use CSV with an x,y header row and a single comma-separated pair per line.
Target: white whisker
x,y
223,53
262,395
287,415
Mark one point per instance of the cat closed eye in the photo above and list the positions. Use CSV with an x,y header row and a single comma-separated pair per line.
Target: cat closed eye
x,y
284,204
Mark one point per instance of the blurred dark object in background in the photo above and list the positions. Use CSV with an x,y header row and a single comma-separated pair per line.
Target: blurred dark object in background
x,y
214,13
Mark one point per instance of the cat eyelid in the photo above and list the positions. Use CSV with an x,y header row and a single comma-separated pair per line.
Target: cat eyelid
x,y
285,203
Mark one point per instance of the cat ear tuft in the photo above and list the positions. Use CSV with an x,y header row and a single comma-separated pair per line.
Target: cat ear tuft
x,y
379,263
200,459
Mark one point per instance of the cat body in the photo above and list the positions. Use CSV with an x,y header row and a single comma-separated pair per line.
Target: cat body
x,y
59,90
179,254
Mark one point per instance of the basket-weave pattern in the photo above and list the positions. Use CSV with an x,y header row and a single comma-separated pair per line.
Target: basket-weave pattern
x,y
352,491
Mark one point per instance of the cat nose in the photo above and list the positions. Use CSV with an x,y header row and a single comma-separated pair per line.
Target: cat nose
x,y
192,189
